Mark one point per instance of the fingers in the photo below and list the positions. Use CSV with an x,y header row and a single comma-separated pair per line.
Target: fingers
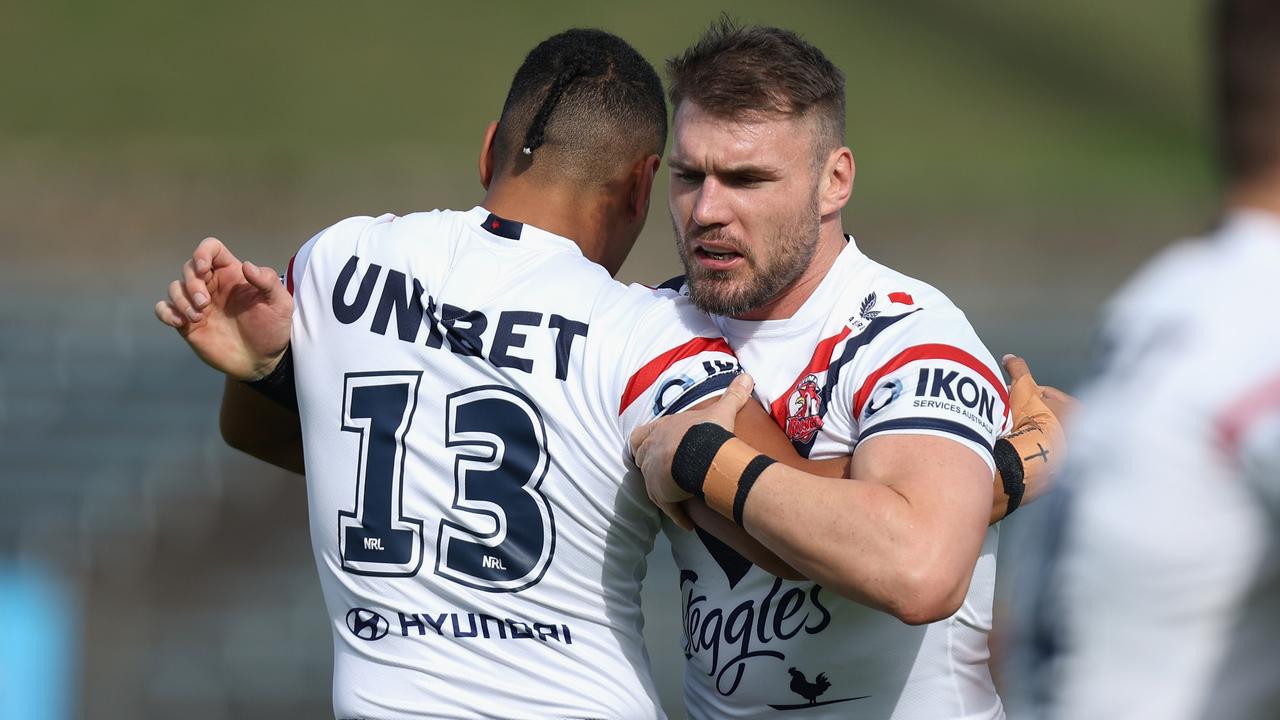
x,y
741,388
1016,367
194,285
677,513
1062,405
211,254
264,279
734,398
638,436
1049,392
169,315
181,303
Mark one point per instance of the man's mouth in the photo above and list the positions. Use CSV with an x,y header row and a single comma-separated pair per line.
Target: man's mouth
x,y
717,258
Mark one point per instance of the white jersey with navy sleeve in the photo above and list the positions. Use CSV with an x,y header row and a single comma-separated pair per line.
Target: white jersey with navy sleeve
x,y
1168,578
467,387
871,351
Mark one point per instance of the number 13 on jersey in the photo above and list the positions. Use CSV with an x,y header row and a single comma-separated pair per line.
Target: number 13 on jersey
x,y
501,459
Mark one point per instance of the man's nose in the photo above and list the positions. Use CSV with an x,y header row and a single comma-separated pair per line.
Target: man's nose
x,y
710,206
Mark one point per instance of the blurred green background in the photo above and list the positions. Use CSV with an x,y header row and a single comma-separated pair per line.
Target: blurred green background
x,y
1024,157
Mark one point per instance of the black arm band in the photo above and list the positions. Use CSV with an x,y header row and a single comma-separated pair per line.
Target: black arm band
x,y
694,454
746,482
1009,465
279,386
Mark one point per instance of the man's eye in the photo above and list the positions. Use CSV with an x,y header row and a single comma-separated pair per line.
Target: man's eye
x,y
689,177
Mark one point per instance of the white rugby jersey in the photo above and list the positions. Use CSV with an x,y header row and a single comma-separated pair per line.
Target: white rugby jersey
x,y
871,351
1169,577
467,387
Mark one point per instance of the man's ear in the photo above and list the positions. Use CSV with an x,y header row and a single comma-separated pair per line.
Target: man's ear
x,y
836,184
486,155
642,186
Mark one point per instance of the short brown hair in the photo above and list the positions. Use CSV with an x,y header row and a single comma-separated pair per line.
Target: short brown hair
x,y
734,71
1247,50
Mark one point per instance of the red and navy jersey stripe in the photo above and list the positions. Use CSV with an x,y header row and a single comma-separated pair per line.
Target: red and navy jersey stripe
x,y
645,377
951,427
929,351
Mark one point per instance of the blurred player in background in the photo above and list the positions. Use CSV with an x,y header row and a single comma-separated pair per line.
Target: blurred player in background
x,y
1164,600
850,357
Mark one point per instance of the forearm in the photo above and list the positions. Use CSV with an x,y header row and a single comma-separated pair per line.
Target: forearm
x,y
864,540
740,540
828,556
1023,472
259,427
904,538
735,537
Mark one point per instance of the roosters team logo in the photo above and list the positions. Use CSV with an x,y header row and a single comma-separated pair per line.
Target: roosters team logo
x,y
805,406
811,691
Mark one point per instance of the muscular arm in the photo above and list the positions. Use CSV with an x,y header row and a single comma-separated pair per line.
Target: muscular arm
x,y
903,537
759,430
255,425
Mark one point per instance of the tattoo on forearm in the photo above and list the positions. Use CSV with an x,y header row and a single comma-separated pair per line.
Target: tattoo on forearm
x,y
1043,454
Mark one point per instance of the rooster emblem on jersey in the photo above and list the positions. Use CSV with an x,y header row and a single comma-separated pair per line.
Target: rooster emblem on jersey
x,y
805,416
810,691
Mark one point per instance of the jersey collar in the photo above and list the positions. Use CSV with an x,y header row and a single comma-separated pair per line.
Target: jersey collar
x,y
513,231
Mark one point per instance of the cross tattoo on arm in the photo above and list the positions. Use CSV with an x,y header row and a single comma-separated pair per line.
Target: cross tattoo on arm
x,y
1043,454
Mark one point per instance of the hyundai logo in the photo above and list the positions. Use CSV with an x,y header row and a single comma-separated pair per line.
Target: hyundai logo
x,y
366,624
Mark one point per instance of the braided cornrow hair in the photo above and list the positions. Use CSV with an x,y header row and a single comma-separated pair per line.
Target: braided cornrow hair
x,y
589,96
573,69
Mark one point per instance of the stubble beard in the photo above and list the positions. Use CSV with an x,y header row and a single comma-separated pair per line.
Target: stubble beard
x,y
738,292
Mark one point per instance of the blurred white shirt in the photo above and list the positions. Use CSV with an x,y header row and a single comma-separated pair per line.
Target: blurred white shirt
x,y
1168,582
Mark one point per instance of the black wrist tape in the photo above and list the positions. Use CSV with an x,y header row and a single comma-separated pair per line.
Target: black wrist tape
x,y
708,466
694,454
748,481
1009,465
279,386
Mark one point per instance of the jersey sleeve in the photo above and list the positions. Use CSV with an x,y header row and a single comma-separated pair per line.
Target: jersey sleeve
x,y
675,358
348,230
930,375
